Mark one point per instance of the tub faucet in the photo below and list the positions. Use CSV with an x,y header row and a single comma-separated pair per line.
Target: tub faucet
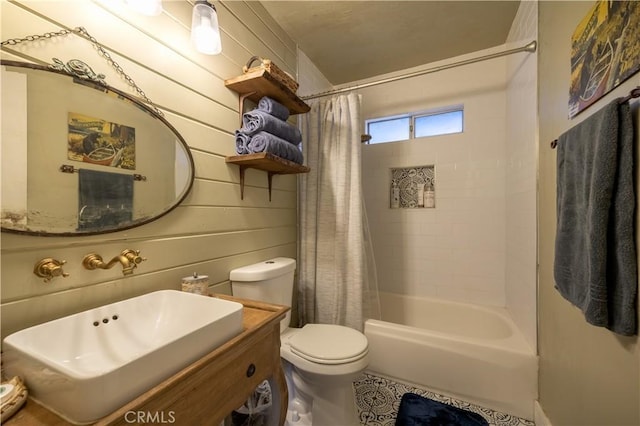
x,y
129,259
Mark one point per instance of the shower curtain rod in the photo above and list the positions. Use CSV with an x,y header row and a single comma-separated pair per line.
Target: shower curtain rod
x,y
531,47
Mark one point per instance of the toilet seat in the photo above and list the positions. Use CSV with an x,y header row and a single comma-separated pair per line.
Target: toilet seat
x,y
328,344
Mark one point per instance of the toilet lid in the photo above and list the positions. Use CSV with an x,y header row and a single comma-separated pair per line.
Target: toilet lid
x,y
329,344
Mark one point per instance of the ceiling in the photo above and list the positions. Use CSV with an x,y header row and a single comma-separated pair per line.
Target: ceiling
x,y
353,40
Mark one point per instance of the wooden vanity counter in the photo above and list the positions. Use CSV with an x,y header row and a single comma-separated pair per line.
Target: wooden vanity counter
x,y
205,392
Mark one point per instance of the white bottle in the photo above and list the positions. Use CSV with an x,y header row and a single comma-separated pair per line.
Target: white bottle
x,y
421,194
395,195
429,197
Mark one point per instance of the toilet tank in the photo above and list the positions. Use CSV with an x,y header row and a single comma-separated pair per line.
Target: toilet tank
x,y
270,281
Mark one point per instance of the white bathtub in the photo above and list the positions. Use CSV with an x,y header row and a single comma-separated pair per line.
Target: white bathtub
x,y
468,351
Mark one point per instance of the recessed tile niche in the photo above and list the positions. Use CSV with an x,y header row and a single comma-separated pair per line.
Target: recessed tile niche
x,y
412,187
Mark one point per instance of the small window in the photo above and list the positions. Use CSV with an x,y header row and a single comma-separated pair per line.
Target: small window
x,y
438,124
416,125
389,129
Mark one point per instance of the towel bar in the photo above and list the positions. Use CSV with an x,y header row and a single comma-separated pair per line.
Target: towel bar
x,y
634,93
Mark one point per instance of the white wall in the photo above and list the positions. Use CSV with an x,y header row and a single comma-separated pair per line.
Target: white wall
x,y
479,244
457,250
213,231
521,166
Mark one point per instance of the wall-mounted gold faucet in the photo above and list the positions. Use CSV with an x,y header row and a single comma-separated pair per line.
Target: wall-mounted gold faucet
x,y
129,259
49,268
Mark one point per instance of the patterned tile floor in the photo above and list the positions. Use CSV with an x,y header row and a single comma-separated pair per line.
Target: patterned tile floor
x,y
378,400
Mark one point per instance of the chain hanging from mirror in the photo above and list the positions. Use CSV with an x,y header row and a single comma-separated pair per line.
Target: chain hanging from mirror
x,y
79,68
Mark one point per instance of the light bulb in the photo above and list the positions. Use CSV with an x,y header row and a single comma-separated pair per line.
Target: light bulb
x,y
205,33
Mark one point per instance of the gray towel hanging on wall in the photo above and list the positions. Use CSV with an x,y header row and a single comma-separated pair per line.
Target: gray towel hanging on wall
x,y
595,265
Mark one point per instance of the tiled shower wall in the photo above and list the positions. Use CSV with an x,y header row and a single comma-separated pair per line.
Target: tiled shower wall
x,y
479,244
521,173
457,250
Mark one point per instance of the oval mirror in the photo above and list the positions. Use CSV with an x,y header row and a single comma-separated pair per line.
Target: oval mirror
x,y
82,158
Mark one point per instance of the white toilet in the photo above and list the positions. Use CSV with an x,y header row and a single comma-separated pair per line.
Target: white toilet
x,y
320,361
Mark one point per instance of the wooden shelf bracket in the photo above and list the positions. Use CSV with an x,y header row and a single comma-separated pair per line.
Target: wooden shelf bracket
x,y
241,99
270,163
269,181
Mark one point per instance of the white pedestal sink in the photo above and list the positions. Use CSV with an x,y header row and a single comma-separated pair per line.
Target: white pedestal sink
x,y
85,366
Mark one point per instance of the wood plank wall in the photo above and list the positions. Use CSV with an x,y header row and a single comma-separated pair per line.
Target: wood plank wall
x,y
212,231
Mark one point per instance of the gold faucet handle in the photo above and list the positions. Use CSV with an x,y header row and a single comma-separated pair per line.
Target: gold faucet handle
x,y
133,256
49,268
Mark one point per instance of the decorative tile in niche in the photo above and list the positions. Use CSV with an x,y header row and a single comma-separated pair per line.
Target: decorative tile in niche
x,y
413,187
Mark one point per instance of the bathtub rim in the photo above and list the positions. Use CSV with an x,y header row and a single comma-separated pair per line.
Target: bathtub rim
x,y
516,342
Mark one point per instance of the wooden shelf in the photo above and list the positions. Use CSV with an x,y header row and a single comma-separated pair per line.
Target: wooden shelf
x,y
267,162
254,85
270,163
258,83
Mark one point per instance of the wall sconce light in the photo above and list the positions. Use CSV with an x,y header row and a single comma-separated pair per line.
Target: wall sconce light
x,y
205,33
146,7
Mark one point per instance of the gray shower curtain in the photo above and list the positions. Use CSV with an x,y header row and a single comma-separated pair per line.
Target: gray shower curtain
x,y
336,274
